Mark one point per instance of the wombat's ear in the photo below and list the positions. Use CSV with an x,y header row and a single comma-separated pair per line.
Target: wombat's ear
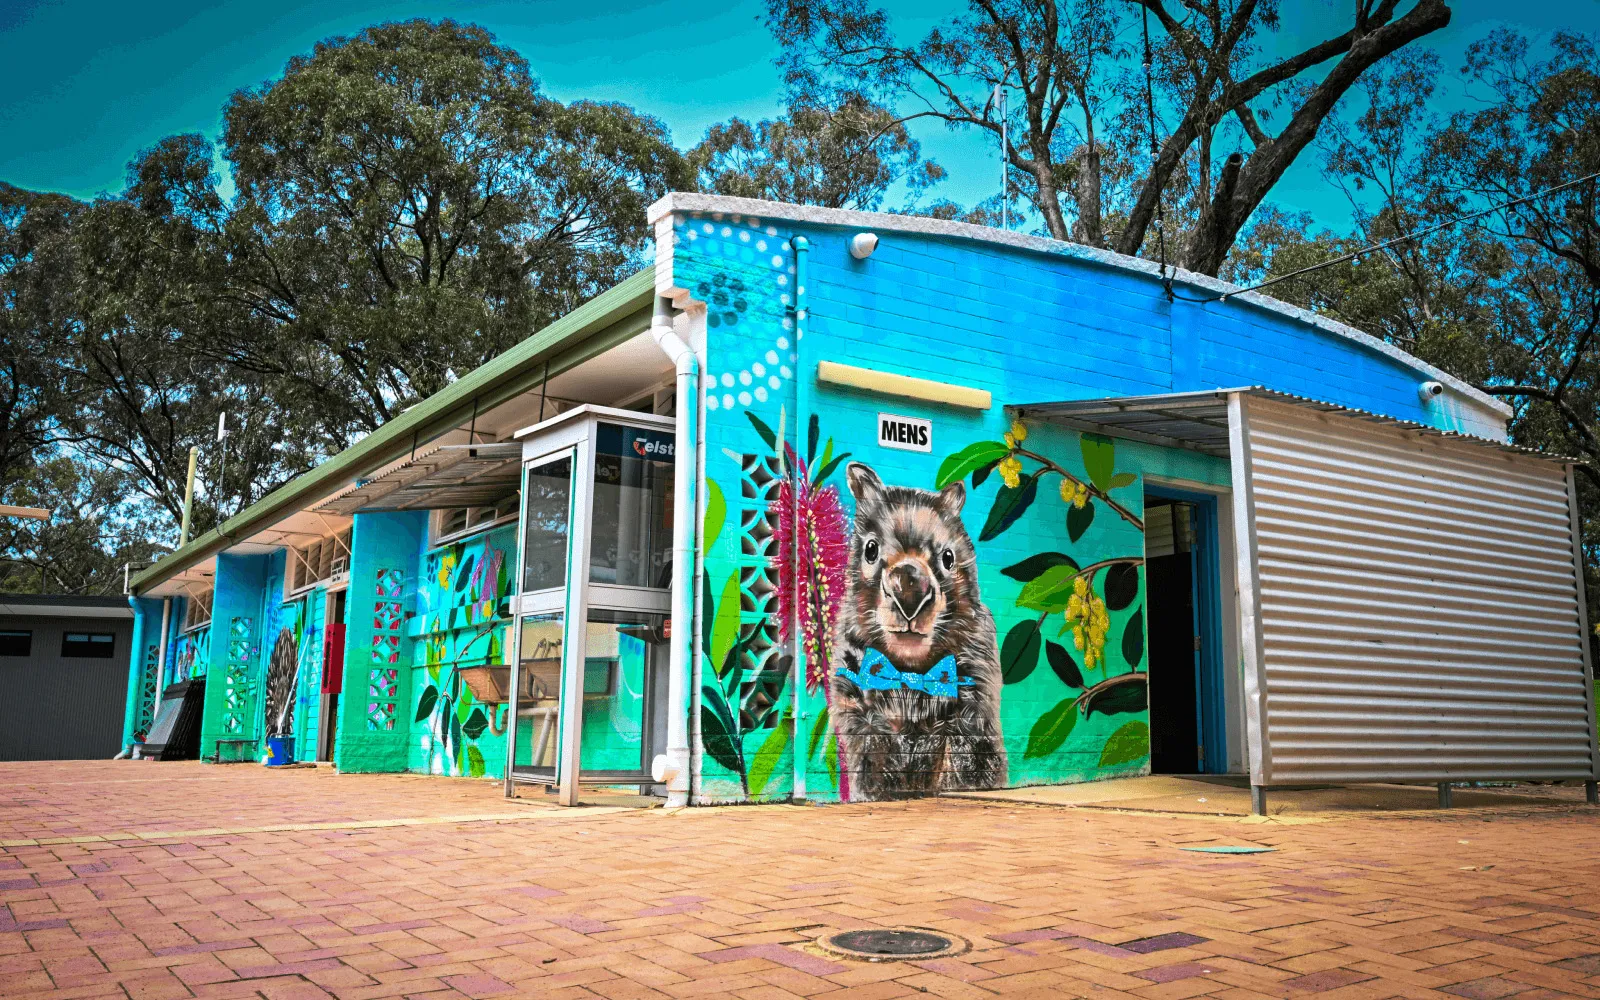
x,y
952,497
864,483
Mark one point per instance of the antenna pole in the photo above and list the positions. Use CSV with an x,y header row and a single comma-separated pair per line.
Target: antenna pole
x,y
1005,154
222,459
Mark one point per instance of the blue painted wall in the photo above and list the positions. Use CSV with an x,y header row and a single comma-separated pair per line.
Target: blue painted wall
x,y
1030,328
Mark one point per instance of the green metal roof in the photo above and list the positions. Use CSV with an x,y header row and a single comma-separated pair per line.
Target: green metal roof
x,y
605,321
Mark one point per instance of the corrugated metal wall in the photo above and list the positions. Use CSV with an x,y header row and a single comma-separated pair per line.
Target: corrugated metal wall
x,y
55,707
1417,606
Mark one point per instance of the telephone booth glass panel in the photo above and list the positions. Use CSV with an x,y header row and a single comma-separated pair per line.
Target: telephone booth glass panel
x,y
631,534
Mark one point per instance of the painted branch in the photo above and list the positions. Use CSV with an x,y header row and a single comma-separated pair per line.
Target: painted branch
x,y
1123,512
1138,676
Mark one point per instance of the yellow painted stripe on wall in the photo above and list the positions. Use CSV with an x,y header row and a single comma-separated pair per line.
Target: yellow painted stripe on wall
x,y
904,386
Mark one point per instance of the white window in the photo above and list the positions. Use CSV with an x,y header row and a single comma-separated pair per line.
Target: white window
x,y
454,522
197,612
322,560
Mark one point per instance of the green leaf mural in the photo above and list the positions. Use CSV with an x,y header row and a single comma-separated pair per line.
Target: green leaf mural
x,y
1050,591
1121,585
1133,639
1122,479
716,514
476,723
1079,519
725,630
762,429
718,742
1126,745
1030,568
819,729
1009,504
769,755
969,460
1099,459
719,732
1019,654
1052,729
981,473
830,758
830,462
1062,663
425,704
475,766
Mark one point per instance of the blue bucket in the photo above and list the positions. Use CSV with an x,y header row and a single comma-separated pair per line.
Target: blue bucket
x,y
280,750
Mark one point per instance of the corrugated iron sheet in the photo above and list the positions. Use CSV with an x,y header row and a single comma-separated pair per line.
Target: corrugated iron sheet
x,y
1419,605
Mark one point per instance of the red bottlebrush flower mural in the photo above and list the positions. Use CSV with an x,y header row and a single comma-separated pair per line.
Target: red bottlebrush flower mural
x,y
814,582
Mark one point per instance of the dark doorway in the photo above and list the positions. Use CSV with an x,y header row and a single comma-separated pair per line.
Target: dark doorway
x,y
1174,642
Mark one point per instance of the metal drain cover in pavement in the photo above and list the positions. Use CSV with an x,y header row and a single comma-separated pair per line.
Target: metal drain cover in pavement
x,y
893,944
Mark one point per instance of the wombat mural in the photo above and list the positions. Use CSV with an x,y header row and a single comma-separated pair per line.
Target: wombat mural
x,y
916,684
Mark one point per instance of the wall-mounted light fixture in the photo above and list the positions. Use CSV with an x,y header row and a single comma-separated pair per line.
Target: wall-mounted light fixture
x,y
862,245
904,386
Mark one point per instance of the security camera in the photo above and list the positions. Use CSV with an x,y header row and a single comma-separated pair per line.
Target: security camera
x,y
1428,390
862,245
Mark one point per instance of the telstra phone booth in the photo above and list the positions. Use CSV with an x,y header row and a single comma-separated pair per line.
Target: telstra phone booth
x,y
590,647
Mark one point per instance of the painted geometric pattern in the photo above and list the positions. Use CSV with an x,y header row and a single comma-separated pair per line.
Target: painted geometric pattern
x,y
149,682
765,662
238,689
388,620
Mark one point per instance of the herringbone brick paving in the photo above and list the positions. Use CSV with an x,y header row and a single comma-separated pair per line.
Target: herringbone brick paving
x,y
173,889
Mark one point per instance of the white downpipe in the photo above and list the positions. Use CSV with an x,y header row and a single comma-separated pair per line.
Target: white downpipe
x,y
672,768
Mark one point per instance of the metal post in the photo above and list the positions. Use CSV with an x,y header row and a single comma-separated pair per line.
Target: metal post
x,y
1258,799
1444,794
576,624
797,687
188,497
1591,792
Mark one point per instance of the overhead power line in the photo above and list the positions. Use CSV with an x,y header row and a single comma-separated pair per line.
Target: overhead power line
x,y
1418,234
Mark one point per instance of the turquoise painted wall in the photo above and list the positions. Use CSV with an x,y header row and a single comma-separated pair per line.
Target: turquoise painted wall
x,y
462,621
233,660
373,710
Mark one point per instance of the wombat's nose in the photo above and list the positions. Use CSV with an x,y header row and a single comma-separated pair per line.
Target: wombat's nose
x,y
909,588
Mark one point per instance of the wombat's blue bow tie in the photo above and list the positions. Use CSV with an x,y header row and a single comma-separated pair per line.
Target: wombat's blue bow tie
x,y
876,673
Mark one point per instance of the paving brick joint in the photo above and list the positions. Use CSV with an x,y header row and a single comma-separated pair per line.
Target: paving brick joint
x,y
143,880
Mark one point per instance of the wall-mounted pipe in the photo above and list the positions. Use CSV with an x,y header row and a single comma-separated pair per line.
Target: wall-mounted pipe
x,y
797,687
672,767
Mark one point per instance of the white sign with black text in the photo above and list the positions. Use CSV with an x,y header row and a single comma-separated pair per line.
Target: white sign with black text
x,y
904,433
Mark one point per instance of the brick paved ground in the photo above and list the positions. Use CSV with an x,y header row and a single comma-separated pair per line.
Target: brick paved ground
x,y
167,892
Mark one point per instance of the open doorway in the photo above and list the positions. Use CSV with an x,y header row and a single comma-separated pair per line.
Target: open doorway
x,y
1188,717
332,673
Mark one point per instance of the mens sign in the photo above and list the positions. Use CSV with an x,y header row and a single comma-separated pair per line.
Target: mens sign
x,y
904,433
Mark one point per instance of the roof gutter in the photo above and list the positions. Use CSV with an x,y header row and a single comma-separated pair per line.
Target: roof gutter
x,y
611,317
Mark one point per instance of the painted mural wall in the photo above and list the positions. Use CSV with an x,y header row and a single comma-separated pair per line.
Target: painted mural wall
x,y
462,623
968,598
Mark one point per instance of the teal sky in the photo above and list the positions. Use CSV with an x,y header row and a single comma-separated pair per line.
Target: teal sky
x,y
88,83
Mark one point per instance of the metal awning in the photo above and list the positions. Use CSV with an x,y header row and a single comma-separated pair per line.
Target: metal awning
x,y
1198,421
457,475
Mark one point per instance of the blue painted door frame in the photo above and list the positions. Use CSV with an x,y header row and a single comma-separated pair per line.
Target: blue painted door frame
x,y
1211,699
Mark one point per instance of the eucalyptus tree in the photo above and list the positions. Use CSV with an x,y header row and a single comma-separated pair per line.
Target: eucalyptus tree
x,y
849,155
1101,158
